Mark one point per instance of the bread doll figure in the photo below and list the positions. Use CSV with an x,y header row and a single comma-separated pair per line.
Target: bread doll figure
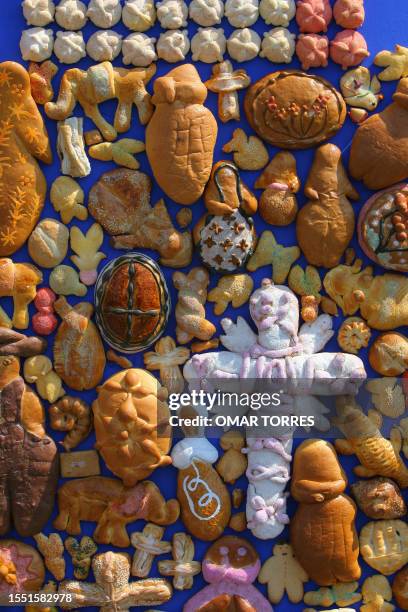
x,y
325,225
230,565
322,532
226,236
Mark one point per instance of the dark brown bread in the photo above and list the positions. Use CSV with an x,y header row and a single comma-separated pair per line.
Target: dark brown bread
x,y
132,303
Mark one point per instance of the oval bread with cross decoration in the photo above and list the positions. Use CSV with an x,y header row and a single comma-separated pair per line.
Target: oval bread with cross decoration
x,y
132,303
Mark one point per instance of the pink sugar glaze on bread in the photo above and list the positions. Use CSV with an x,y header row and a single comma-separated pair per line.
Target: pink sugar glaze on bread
x,y
312,50
349,14
348,48
246,591
313,16
22,564
135,503
88,277
215,573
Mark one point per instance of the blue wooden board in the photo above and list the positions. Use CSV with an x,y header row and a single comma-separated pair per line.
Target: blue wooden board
x,y
386,24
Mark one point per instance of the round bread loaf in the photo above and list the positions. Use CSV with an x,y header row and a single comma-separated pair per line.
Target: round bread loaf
x,y
400,588
30,572
48,244
132,303
294,110
388,355
383,228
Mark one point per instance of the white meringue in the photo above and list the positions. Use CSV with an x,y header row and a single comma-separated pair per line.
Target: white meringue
x,y
208,45
277,12
278,46
104,45
138,49
139,15
172,14
206,12
69,47
242,13
185,451
104,13
38,12
36,44
173,45
244,45
71,14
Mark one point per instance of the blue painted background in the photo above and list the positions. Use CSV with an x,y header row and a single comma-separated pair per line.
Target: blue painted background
x,y
386,24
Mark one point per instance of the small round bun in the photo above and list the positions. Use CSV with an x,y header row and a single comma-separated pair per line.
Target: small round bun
x,y
208,45
388,354
400,588
348,48
242,13
104,45
173,45
69,47
244,45
104,13
36,44
278,46
172,14
48,244
38,12
277,12
71,14
138,49
139,15
206,12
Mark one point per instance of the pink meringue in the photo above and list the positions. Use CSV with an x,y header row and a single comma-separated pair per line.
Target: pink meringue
x,y
313,15
349,14
348,48
44,321
312,50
